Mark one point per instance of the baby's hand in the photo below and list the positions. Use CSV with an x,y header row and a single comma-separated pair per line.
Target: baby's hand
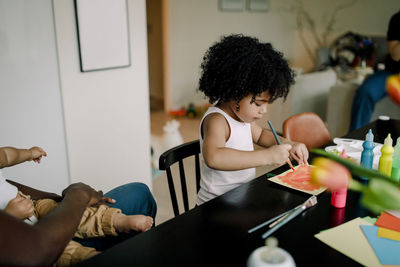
x,y
279,154
20,208
299,153
37,153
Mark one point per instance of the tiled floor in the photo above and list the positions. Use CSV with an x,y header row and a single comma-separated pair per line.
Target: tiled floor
x,y
189,129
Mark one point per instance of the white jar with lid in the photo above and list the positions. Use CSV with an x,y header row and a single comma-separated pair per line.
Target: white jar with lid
x,y
270,255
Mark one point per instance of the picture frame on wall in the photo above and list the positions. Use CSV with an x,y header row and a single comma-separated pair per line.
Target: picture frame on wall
x,y
231,5
257,5
103,34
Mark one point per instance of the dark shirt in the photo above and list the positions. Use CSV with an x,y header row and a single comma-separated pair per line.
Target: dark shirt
x,y
393,34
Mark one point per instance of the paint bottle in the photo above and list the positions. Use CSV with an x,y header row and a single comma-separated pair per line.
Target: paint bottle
x,y
270,255
338,197
385,162
396,162
367,155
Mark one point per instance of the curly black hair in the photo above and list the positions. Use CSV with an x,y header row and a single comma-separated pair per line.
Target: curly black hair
x,y
239,65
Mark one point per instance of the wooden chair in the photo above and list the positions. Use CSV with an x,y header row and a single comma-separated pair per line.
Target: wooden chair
x,y
177,154
307,128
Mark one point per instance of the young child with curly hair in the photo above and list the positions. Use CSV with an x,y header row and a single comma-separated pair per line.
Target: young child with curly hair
x,y
241,76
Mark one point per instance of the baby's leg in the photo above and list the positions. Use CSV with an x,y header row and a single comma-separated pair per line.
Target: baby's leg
x,y
128,223
105,221
97,221
44,206
74,253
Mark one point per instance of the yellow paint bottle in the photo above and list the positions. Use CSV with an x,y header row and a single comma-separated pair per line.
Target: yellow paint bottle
x,y
385,161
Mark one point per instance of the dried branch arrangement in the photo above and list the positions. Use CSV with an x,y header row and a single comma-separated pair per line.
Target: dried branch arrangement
x,y
306,23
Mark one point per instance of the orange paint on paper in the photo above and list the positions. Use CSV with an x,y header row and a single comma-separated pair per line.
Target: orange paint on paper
x,y
300,179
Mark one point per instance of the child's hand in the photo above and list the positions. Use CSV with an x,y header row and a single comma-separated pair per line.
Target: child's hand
x,y
279,154
299,153
20,208
37,153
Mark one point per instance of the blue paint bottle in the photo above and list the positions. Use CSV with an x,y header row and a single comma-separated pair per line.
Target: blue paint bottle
x,y
367,155
396,162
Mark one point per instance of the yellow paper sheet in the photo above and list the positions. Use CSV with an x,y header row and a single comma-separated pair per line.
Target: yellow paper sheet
x,y
276,179
388,233
349,239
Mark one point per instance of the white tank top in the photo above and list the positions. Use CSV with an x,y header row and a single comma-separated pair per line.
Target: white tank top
x,y
215,182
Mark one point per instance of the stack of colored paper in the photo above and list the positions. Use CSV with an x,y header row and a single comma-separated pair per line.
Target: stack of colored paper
x,y
348,239
384,237
366,243
389,225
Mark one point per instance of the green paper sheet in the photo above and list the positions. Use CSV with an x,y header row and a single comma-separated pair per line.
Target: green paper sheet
x,y
370,219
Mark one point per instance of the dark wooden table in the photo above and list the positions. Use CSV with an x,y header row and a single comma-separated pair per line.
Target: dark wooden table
x,y
215,233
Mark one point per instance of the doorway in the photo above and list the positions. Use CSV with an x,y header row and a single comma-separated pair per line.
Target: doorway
x,y
156,44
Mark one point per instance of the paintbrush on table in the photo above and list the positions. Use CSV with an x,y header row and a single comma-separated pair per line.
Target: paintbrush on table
x,y
276,218
309,203
272,222
278,141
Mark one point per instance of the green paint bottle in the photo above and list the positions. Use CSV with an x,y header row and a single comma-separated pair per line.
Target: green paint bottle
x,y
396,162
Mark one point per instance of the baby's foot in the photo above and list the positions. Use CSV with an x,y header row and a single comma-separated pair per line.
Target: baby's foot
x,y
125,224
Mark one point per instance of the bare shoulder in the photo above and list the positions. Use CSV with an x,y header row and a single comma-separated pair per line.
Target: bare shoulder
x,y
215,123
214,118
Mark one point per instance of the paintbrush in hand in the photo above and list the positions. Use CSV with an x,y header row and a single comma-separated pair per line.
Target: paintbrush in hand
x,y
278,141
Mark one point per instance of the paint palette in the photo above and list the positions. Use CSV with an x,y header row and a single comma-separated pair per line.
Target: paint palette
x,y
353,148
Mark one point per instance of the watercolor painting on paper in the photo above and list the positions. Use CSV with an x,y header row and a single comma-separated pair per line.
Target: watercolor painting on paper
x,y
298,180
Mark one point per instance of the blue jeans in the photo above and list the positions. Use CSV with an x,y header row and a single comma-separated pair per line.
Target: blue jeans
x,y
133,198
368,94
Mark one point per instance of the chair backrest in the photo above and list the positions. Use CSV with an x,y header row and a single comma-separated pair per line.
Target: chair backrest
x,y
177,154
307,128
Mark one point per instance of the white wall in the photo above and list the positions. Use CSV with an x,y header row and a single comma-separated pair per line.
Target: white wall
x,y
106,112
98,122
195,25
30,100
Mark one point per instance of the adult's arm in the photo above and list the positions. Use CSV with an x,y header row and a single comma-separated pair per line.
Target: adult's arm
x,y
41,244
34,193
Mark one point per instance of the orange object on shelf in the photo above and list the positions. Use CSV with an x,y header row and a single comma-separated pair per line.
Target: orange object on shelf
x,y
177,113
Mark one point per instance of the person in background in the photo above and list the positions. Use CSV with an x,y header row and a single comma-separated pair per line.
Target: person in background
x,y
373,88
91,221
241,76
